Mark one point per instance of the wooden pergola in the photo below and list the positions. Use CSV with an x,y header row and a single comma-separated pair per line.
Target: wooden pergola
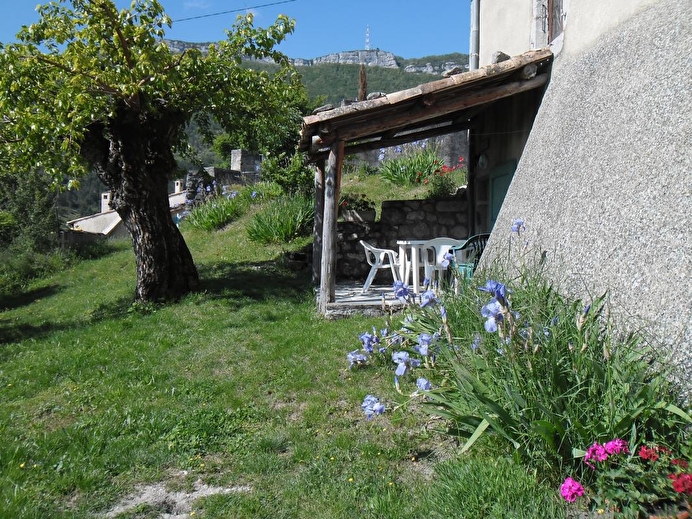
x,y
437,108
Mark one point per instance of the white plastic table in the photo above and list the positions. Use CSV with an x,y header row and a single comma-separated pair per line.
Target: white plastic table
x,y
411,261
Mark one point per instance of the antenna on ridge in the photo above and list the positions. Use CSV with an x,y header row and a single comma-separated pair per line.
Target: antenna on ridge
x,y
367,37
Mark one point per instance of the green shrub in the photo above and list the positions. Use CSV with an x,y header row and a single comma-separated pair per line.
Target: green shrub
x,y
410,165
441,184
283,220
261,192
292,173
19,265
487,487
217,212
548,376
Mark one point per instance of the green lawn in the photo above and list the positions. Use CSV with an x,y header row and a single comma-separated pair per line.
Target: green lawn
x,y
239,386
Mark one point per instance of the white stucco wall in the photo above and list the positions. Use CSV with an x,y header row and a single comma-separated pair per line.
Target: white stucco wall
x,y
510,25
504,26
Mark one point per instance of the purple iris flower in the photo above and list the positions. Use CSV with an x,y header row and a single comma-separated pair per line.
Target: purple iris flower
x,y
401,358
447,260
355,358
400,290
369,341
498,290
424,384
424,340
403,361
518,226
493,315
475,344
372,406
427,298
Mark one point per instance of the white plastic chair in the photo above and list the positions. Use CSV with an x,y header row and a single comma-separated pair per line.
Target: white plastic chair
x,y
379,259
434,254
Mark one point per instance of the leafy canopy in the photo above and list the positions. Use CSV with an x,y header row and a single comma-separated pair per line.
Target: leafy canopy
x,y
85,60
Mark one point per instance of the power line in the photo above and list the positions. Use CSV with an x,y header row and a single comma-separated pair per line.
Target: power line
x,y
232,11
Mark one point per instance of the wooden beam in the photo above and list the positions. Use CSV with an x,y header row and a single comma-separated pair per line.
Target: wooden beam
x,y
421,113
319,219
331,190
385,142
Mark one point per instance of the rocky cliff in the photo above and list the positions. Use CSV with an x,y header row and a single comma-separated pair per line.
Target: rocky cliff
x,y
371,58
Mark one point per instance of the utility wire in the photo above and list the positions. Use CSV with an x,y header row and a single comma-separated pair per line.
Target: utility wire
x,y
232,11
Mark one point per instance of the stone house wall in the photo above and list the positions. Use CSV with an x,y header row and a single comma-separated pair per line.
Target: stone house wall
x,y
400,219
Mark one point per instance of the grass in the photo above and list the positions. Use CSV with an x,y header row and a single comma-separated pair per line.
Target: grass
x,y
241,384
240,387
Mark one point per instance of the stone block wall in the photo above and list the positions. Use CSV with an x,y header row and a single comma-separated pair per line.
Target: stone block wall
x,y
400,219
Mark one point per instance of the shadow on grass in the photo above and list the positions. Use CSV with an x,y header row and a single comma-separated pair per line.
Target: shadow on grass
x,y
260,281
10,302
239,284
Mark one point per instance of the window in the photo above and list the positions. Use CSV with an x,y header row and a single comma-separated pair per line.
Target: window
x,y
555,19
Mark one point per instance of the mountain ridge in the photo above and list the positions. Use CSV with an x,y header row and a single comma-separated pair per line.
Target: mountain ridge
x,y
435,65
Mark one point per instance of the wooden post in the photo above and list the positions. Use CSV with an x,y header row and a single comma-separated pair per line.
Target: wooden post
x,y
319,222
331,193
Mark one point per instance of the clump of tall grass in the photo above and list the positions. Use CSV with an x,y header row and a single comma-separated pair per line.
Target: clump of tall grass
x,y
410,165
480,486
282,220
221,210
216,212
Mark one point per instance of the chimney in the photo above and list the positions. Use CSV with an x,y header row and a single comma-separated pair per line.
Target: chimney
x,y
105,202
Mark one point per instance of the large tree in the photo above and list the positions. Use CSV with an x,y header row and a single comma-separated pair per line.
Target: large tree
x,y
91,87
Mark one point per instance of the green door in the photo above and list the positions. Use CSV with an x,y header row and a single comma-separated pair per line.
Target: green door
x,y
500,178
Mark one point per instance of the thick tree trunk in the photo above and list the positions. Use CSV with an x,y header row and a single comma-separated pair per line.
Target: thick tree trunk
x,y
133,156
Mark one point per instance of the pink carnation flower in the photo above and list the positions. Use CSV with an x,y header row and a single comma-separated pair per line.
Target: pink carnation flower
x,y
595,452
616,446
571,490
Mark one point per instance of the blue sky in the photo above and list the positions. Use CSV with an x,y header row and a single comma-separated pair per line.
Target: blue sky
x,y
407,28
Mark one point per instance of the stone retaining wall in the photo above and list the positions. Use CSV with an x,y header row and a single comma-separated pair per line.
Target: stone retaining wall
x,y
400,219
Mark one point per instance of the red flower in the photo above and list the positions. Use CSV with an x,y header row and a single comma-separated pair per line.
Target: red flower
x,y
680,463
682,483
648,453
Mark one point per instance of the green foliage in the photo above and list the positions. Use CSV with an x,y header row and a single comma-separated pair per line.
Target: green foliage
x,y
216,213
9,227
219,211
486,487
552,379
639,480
283,220
356,202
20,263
208,429
28,208
440,184
291,172
410,164
333,82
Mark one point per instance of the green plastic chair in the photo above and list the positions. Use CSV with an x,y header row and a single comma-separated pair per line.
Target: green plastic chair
x,y
467,255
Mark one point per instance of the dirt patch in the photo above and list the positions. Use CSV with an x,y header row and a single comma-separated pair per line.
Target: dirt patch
x,y
172,504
